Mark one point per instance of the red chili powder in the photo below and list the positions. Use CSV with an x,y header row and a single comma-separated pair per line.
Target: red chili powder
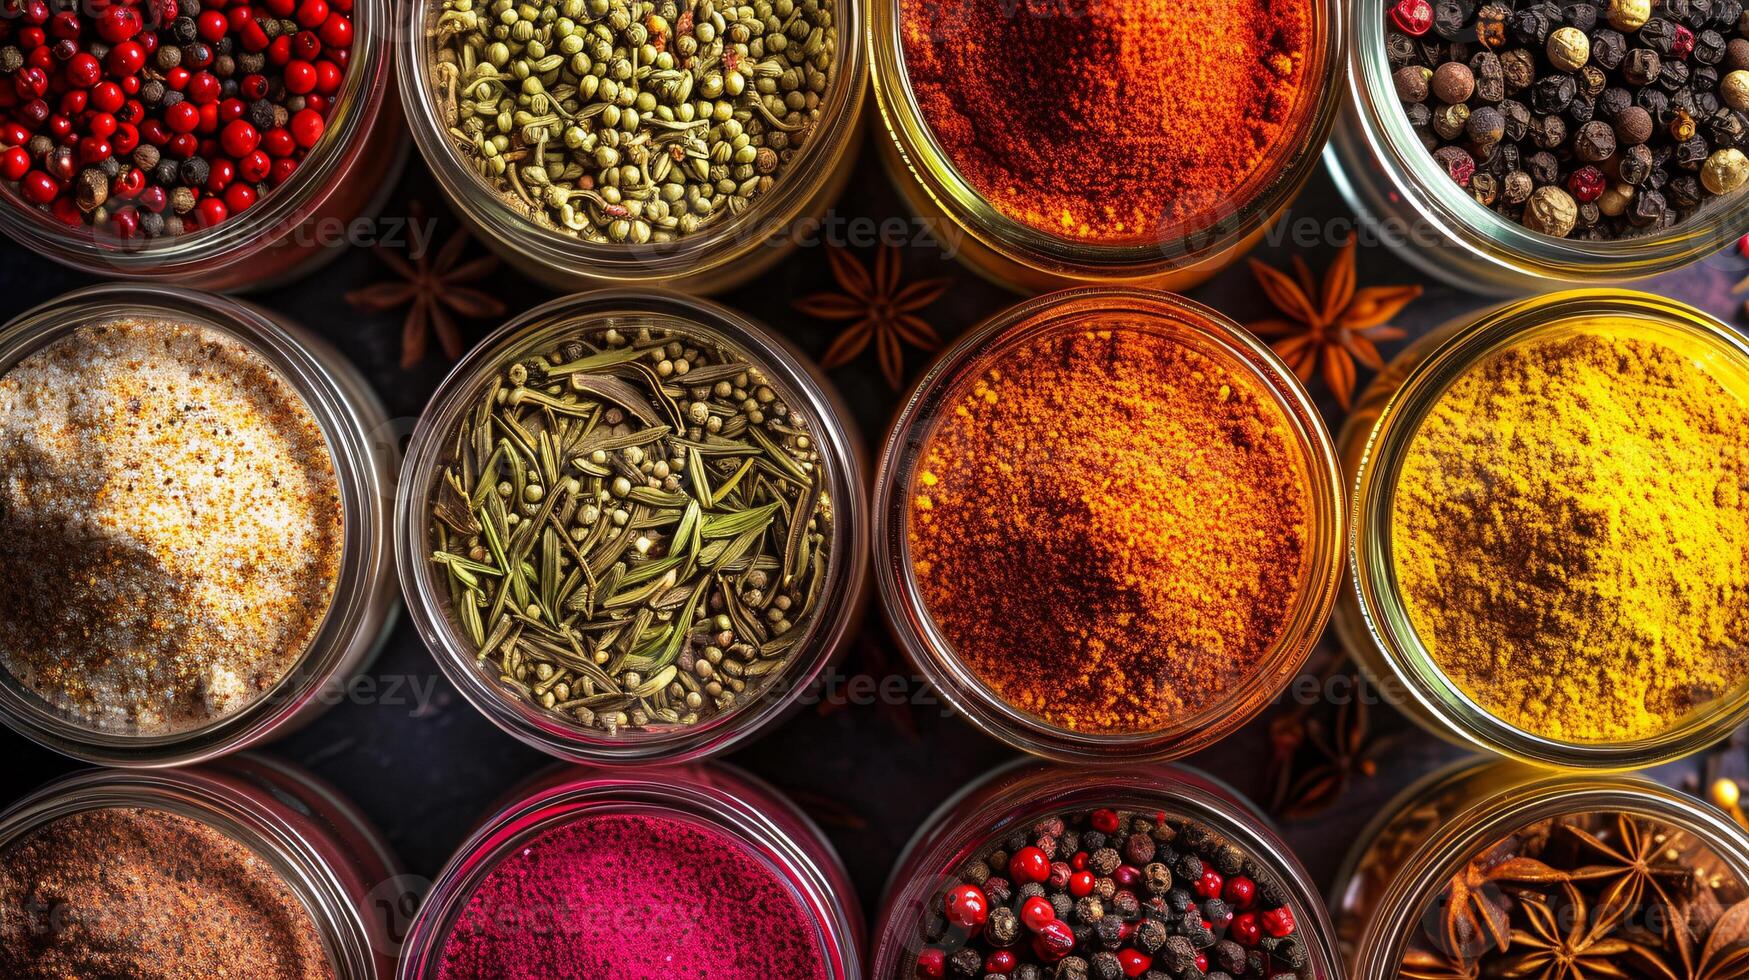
x,y
1112,120
621,897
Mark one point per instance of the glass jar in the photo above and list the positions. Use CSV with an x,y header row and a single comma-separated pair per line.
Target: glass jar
x,y
1017,795
303,224
940,389
721,800
327,853
715,259
1026,259
1389,178
1372,620
364,453
1422,839
796,381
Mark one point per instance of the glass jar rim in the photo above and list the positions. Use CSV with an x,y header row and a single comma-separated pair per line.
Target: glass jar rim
x,y
895,574
718,796
1487,235
839,444
1271,187
195,795
1369,546
768,217
364,549
1013,795
349,125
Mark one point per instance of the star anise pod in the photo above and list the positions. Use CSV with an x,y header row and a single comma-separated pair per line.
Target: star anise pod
x,y
1422,963
1325,329
1723,956
432,289
1584,949
883,311
1631,866
1347,749
1473,913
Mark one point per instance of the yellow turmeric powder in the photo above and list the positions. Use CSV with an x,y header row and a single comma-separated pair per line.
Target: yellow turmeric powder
x,y
1570,534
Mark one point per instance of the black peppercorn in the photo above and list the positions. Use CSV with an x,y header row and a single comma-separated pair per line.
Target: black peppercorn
x,y
166,173
966,963
1485,188
194,172
1728,128
1553,93
1530,26
1486,126
1608,48
1647,208
1641,66
1105,967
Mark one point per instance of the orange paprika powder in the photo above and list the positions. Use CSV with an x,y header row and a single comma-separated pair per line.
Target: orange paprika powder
x,y
1109,527
1116,121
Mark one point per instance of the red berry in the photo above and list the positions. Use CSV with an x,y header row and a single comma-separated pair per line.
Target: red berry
x,y
30,83
126,138
1104,821
1244,929
84,71
1586,184
125,222
64,25
125,59
239,139
255,167
1240,892
153,198
231,110
311,13
932,963
107,97
253,38
1037,912
1126,875
212,25
118,23
1209,885
300,77
1081,884
336,32
1053,942
203,88
94,149
1202,963
306,45
182,117
221,175
966,905
211,212
74,101
328,77
38,187
282,170
279,52
1279,922
1412,16
14,163
177,78
1134,962
1000,961
209,119
61,128
183,145
66,210
128,184
1028,864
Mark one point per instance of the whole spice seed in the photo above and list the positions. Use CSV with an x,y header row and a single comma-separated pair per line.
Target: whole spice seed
x,y
155,118
1568,532
621,896
1141,118
1109,528
632,121
1638,111
148,895
634,530
1108,894
171,522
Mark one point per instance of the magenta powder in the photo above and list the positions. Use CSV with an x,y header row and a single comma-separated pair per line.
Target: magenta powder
x,y
624,897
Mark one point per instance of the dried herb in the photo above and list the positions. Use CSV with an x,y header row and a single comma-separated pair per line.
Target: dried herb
x,y
634,529
884,311
432,289
1326,329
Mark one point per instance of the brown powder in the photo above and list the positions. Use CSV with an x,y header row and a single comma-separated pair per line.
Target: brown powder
x,y
149,895
170,523
1109,528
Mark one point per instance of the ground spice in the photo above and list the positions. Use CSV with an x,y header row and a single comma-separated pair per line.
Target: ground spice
x,y
1568,535
625,897
170,522
148,895
1116,121
1109,528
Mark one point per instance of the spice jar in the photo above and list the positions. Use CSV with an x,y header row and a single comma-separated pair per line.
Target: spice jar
x,y
584,221
604,874
282,185
1385,173
1508,467
1263,901
208,643
693,550
1108,526
246,857
1088,178
1474,843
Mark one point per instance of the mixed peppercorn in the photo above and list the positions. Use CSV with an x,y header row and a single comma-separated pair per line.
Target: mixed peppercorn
x,y
158,117
1579,119
1110,894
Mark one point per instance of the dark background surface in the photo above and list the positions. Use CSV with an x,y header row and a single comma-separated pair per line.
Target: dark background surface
x,y
868,773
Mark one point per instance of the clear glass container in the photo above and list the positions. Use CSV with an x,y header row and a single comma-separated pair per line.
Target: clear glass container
x,y
797,382
290,232
364,454
942,386
1371,619
1025,259
1423,838
1017,795
328,854
1388,177
716,259
720,799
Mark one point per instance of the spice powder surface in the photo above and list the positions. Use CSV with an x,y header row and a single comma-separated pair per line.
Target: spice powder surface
x,y
1569,534
1109,527
170,522
149,895
1109,120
